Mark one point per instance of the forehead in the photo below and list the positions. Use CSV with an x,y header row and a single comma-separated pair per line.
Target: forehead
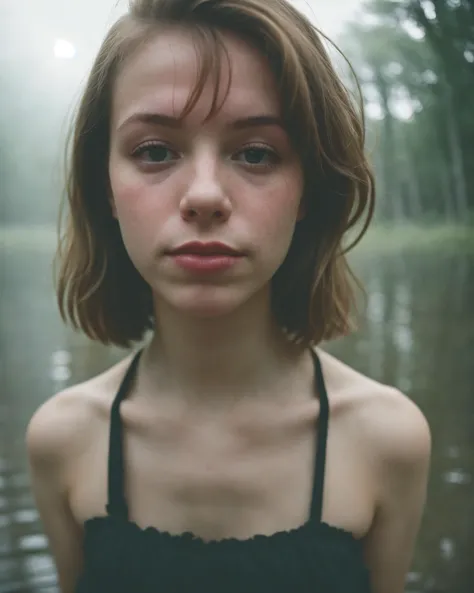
x,y
161,76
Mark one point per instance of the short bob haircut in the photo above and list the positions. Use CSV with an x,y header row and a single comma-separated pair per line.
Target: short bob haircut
x,y
99,290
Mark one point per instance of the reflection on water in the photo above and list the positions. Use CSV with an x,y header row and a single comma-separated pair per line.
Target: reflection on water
x,y
418,334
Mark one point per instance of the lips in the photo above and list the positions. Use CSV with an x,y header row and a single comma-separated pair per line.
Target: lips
x,y
205,249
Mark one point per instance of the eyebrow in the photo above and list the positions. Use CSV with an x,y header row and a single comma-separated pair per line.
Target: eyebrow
x,y
160,119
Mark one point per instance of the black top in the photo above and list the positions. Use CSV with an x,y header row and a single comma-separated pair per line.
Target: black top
x,y
120,557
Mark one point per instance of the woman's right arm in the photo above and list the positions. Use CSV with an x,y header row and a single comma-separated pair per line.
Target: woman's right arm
x,y
49,440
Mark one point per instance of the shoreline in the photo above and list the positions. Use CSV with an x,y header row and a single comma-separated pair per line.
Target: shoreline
x,y
380,238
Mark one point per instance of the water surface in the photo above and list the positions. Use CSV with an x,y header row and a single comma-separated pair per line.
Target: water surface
x,y
418,335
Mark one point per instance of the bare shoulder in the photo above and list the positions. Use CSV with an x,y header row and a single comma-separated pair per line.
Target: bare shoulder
x,y
391,438
387,420
64,428
66,422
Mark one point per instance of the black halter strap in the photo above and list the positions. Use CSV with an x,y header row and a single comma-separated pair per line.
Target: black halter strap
x,y
117,504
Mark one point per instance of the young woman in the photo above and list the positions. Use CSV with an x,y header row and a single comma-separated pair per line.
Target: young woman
x,y
217,164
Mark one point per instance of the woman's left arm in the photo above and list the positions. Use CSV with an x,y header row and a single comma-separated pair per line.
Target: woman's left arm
x,y
401,439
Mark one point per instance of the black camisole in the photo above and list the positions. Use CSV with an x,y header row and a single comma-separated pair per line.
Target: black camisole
x,y
121,557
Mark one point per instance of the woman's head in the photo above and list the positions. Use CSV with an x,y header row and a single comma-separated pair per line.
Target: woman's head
x,y
170,147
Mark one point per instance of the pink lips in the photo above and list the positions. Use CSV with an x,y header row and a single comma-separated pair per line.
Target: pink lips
x,y
205,257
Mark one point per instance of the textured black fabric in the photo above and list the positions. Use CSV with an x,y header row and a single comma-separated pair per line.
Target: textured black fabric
x,y
120,557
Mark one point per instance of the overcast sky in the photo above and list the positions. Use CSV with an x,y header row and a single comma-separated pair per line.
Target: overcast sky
x,y
57,40
328,15
31,27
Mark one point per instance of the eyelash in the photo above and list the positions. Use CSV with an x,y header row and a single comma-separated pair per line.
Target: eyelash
x,y
259,147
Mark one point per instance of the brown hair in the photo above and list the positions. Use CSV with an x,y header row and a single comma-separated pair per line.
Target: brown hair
x,y
98,288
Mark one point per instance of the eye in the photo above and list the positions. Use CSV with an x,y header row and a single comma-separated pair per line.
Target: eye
x,y
258,156
155,152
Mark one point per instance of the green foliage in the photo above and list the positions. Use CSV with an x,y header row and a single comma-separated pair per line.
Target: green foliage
x,y
415,60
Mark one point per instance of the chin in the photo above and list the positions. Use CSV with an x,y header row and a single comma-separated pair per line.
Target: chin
x,y
204,304
207,311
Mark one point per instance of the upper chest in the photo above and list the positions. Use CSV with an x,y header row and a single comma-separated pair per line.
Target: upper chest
x,y
241,473
217,447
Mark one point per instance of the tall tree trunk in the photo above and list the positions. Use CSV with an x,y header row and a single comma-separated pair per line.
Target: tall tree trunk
x,y
393,203
407,162
457,155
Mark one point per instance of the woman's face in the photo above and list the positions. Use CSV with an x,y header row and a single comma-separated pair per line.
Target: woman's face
x,y
235,179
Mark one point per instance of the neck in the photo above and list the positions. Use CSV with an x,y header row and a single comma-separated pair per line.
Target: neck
x,y
217,359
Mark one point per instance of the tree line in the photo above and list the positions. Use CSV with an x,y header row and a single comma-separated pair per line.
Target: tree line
x,y
415,62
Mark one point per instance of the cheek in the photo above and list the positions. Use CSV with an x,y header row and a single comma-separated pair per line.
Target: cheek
x,y
135,212
131,193
277,220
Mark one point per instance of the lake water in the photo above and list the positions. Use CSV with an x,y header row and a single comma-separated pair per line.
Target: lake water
x,y
418,335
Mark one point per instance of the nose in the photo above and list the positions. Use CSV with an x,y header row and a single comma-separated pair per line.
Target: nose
x,y
205,200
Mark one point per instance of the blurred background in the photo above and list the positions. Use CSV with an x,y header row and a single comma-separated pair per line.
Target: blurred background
x,y
415,62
